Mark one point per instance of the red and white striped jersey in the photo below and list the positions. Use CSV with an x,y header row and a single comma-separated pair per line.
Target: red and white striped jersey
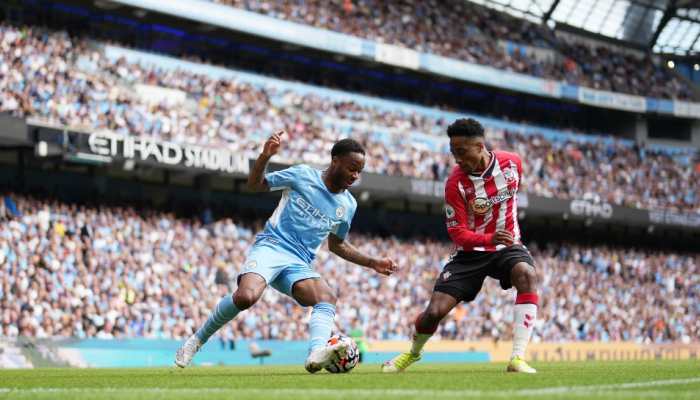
x,y
478,205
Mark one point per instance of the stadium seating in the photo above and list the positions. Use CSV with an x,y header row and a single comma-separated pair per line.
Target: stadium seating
x,y
473,33
51,77
116,272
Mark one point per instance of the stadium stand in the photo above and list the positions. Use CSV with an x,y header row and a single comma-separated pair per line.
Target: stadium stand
x,y
481,35
115,272
51,77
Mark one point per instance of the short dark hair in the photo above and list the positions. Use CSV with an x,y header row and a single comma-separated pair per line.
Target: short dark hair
x,y
345,146
468,127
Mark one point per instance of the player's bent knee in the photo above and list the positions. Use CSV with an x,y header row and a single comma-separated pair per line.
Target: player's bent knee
x,y
434,314
309,292
328,297
524,277
310,300
245,298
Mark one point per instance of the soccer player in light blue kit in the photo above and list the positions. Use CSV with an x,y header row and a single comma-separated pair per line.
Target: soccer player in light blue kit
x,y
315,205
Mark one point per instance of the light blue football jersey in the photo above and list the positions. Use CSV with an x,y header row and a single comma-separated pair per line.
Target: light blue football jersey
x,y
306,213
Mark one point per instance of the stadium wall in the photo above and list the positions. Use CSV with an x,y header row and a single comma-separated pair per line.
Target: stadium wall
x,y
500,351
108,149
159,352
126,153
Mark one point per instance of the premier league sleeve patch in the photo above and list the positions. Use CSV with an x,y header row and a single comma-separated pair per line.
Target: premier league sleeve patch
x,y
449,211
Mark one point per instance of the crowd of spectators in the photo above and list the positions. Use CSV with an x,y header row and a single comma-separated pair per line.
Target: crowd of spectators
x,y
607,68
617,173
473,33
109,272
52,77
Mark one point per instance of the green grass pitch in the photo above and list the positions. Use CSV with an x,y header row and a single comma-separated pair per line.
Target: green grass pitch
x,y
606,380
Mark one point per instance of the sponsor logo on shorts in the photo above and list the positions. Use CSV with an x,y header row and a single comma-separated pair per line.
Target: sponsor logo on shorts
x,y
454,254
446,275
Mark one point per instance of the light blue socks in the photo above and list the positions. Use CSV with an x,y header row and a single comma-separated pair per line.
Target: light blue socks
x,y
224,311
321,324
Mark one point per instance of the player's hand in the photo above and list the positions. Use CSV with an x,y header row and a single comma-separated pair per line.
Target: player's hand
x,y
272,145
384,266
503,237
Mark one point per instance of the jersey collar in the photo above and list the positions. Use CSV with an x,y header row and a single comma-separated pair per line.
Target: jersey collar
x,y
489,169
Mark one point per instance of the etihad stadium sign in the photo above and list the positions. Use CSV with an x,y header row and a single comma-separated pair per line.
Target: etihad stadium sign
x,y
109,146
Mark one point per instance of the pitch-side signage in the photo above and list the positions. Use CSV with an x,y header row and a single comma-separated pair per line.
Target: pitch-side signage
x,y
588,208
167,153
674,218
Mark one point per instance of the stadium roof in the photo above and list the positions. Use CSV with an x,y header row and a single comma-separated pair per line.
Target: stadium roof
x,y
665,26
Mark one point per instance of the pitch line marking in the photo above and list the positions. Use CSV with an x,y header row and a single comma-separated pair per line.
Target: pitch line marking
x,y
582,390
611,386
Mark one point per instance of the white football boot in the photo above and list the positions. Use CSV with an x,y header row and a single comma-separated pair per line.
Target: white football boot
x,y
323,356
186,352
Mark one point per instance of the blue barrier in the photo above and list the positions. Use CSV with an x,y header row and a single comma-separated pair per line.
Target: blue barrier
x,y
660,106
161,353
569,92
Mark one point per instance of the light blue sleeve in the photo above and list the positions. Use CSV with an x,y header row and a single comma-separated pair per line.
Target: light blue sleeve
x,y
285,178
342,229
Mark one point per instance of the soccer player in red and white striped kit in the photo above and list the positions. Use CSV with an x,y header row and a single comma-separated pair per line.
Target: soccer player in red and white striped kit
x,y
482,220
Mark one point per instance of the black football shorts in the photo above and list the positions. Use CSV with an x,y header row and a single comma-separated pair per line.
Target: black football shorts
x,y
464,274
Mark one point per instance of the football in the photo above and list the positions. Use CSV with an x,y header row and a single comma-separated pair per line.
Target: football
x,y
347,363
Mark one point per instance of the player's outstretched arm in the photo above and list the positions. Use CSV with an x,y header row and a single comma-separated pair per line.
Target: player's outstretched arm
x,y
256,180
343,249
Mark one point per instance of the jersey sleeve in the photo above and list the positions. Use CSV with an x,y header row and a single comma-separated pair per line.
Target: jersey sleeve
x,y
341,230
519,166
284,179
519,163
456,214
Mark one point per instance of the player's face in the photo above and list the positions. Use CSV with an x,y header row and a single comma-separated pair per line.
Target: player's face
x,y
347,169
467,152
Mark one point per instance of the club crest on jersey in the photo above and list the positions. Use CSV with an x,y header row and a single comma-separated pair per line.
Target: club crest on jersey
x,y
480,205
449,211
251,265
340,211
446,275
468,191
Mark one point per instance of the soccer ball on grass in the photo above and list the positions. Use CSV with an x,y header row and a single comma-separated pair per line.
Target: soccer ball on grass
x,y
347,363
